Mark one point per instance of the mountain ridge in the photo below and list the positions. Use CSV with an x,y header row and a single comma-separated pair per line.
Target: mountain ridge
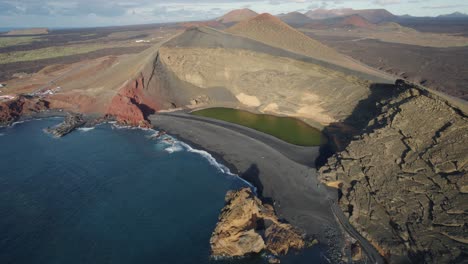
x,y
373,15
237,15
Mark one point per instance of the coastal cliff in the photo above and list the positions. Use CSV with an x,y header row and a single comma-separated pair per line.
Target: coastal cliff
x,y
12,110
247,226
131,106
403,180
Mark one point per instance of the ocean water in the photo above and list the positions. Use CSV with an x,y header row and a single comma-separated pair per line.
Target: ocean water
x,y
110,195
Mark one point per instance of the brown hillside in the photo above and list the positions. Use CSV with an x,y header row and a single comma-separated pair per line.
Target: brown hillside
x,y
373,15
237,16
353,21
274,32
357,21
295,18
325,13
271,30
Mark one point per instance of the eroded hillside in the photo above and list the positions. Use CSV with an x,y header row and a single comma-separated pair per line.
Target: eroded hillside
x,y
267,83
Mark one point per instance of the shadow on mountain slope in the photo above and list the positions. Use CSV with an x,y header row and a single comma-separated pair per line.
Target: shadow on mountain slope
x,y
340,134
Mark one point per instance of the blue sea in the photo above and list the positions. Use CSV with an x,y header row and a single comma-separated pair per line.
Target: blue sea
x,y
110,195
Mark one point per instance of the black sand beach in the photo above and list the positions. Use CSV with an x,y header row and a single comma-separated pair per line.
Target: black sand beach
x,y
284,174
291,186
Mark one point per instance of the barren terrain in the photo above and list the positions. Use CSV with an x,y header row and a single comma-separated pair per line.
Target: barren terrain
x,y
397,151
442,69
393,33
30,54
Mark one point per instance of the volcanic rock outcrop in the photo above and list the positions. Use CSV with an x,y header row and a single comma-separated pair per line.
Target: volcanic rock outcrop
x,y
403,181
72,121
247,226
12,110
130,106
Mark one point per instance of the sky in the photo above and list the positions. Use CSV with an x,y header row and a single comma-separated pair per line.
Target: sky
x,y
89,13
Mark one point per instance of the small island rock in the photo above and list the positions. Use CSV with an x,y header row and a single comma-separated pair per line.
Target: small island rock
x,y
247,226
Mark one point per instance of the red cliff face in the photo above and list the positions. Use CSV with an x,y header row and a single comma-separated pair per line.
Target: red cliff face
x,y
130,106
11,110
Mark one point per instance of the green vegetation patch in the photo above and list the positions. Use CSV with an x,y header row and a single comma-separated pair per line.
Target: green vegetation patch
x,y
288,129
13,41
50,52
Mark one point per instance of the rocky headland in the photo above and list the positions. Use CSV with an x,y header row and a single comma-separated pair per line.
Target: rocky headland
x,y
403,179
12,110
247,226
72,121
130,106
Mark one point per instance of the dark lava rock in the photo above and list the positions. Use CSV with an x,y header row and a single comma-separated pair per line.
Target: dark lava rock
x,y
405,181
71,122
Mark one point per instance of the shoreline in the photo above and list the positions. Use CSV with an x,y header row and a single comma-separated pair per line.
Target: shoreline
x,y
300,216
308,205
291,187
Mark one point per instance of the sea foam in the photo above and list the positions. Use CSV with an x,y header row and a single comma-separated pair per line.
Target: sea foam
x,y
222,168
17,123
85,129
176,145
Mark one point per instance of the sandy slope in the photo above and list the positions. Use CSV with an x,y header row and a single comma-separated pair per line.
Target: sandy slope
x,y
270,30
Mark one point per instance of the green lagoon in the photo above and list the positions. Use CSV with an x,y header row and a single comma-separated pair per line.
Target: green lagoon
x,y
288,129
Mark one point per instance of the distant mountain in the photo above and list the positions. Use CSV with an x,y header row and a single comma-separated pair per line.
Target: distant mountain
x,y
295,18
210,23
406,16
237,16
352,21
372,15
454,15
325,13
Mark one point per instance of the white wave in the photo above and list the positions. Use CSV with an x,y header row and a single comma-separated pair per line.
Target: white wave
x,y
208,157
17,123
155,135
117,126
28,120
2,134
221,167
85,129
176,147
